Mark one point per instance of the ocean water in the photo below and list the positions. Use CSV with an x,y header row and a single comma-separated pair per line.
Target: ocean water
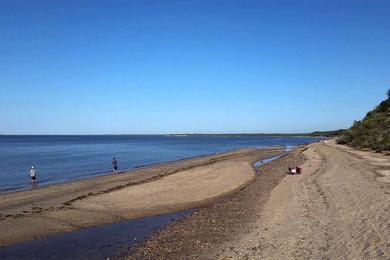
x,y
63,158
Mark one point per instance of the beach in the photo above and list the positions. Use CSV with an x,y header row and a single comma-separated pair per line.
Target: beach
x,y
337,208
164,188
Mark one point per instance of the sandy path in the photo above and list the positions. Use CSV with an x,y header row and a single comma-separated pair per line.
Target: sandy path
x,y
339,208
161,189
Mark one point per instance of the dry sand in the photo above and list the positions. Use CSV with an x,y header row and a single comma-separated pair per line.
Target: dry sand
x,y
339,208
164,188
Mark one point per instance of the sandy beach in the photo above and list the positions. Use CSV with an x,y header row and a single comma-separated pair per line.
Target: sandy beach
x,y
164,188
338,208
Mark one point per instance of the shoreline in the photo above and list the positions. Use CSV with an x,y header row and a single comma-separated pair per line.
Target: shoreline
x,y
99,174
67,207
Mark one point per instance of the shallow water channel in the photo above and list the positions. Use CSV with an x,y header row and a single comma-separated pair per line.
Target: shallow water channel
x,y
92,243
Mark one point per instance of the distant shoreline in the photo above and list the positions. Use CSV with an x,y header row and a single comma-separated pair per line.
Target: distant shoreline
x,y
182,134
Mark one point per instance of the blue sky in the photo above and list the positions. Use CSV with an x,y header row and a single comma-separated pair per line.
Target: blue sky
x,y
94,67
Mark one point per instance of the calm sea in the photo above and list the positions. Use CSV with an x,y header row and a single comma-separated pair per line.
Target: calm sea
x,y
63,158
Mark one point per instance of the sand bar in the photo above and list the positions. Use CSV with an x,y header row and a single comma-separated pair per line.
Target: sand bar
x,y
169,187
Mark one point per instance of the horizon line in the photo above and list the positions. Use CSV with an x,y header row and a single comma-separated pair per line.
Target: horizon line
x,y
172,134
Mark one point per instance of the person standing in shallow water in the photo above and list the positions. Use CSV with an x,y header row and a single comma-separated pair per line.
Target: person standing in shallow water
x,y
114,165
33,175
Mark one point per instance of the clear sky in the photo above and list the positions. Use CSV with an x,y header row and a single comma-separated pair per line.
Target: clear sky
x,y
94,67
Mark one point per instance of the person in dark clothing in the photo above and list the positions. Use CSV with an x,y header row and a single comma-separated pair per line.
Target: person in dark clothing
x,y
114,165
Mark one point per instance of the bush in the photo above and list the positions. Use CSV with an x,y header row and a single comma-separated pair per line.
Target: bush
x,y
345,138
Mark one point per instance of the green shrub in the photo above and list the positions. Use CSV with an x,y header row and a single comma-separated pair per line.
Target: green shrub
x,y
345,138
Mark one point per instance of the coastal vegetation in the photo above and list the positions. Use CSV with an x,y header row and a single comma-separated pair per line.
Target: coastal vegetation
x,y
373,132
333,133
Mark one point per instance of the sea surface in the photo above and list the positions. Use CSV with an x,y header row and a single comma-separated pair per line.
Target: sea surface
x,y
64,158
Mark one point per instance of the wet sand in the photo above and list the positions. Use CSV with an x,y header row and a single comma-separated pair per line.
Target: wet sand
x,y
165,188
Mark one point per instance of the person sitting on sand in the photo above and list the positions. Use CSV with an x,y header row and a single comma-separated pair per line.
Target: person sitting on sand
x,y
33,175
293,171
114,165
298,169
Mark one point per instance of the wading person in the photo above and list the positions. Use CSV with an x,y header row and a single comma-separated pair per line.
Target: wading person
x,y
114,165
33,175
